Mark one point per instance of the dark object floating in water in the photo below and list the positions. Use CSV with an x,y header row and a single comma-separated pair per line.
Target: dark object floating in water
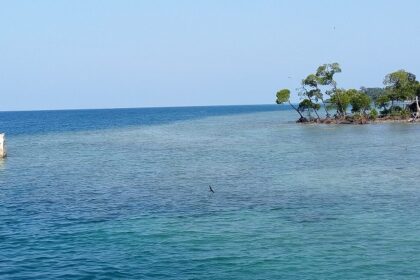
x,y
211,189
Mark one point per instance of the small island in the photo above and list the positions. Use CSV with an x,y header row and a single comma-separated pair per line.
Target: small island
x,y
322,101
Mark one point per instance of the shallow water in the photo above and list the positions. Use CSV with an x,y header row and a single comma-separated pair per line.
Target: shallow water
x,y
124,194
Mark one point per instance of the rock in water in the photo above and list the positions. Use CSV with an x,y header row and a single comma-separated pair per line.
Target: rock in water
x,y
3,152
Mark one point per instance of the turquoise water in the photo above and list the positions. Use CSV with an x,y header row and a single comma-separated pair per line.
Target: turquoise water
x,y
123,194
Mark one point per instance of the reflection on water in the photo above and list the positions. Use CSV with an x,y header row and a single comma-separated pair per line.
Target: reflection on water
x,y
2,163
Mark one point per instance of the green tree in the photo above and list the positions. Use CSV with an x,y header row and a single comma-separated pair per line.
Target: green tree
x,y
311,91
340,100
308,106
382,102
325,78
373,114
373,93
325,74
283,96
359,101
400,86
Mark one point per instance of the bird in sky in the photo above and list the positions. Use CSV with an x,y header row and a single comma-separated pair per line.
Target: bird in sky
x,y
211,189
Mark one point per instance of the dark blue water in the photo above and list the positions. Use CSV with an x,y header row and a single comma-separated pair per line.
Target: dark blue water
x,y
123,194
31,122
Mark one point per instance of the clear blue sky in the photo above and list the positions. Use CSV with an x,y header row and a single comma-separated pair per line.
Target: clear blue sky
x,y
107,54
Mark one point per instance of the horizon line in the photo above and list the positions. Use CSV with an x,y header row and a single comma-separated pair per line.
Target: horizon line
x,y
128,108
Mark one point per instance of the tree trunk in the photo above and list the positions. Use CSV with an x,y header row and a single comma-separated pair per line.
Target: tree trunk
x,y
327,115
316,113
300,114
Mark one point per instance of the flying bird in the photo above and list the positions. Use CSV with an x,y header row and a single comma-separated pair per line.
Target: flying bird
x,y
211,189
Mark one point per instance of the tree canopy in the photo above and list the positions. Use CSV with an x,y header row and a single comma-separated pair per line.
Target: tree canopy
x,y
283,96
360,102
320,90
400,85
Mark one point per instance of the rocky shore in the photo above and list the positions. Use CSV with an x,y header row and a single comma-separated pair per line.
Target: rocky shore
x,y
357,120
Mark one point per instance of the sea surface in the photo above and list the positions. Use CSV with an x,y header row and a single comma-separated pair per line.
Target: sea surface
x,y
124,194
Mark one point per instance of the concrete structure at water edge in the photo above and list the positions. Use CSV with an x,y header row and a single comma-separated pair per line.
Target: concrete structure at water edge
x,y
3,151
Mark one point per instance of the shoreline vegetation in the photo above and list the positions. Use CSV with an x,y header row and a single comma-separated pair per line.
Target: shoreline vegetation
x,y
323,102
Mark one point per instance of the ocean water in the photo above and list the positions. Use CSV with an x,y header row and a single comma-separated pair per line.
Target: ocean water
x,y
123,194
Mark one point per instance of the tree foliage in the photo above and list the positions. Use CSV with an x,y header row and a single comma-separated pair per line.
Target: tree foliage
x,y
316,86
306,105
319,90
400,85
283,96
340,100
373,93
325,74
360,102
383,101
